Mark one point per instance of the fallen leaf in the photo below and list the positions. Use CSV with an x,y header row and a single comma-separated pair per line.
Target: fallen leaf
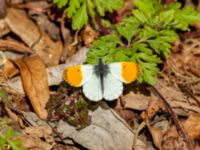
x,y
28,31
173,141
156,134
22,26
3,28
49,51
135,101
192,125
154,106
3,8
14,46
35,83
89,35
10,69
38,138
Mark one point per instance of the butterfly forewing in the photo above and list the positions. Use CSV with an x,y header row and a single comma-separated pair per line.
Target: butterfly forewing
x,y
124,71
77,75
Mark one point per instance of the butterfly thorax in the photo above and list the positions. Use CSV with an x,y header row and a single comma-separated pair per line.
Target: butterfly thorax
x,y
101,71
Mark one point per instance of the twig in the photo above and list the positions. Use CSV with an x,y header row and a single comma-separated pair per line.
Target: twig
x,y
178,125
139,128
103,29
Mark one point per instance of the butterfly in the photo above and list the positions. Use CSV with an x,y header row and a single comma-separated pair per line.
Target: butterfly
x,y
101,80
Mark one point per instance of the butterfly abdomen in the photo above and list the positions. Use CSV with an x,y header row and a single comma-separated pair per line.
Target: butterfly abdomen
x,y
101,71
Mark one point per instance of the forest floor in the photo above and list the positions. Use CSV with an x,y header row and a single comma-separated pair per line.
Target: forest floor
x,y
36,47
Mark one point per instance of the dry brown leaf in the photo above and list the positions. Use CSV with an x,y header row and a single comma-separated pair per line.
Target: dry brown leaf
x,y
3,28
49,51
3,8
12,45
22,26
154,106
173,141
156,132
135,101
89,35
27,30
10,69
38,138
157,136
192,125
35,83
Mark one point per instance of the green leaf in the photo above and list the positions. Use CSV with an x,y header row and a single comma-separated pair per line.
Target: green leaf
x,y
148,7
185,17
60,3
90,8
103,47
128,30
149,58
8,137
166,17
148,72
147,33
107,5
80,18
174,6
74,5
4,96
142,47
140,16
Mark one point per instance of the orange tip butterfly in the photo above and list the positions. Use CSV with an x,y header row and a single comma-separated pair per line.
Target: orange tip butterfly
x,y
101,80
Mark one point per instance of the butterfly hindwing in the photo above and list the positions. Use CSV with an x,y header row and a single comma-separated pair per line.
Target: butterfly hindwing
x,y
113,87
92,88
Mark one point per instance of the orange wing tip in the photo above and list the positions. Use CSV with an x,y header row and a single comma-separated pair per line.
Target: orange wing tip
x,y
73,76
130,71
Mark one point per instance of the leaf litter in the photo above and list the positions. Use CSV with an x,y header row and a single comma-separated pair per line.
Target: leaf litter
x,y
137,120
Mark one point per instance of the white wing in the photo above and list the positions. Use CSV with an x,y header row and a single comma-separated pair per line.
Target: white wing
x,y
116,71
87,71
92,88
113,87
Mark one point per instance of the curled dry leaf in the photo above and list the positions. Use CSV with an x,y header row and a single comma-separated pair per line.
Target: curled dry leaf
x,y
154,106
49,51
11,45
38,137
156,134
35,83
3,28
192,126
3,8
89,35
135,101
27,30
10,69
22,27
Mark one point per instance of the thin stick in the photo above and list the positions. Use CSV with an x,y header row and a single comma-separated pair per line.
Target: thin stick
x,y
178,125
